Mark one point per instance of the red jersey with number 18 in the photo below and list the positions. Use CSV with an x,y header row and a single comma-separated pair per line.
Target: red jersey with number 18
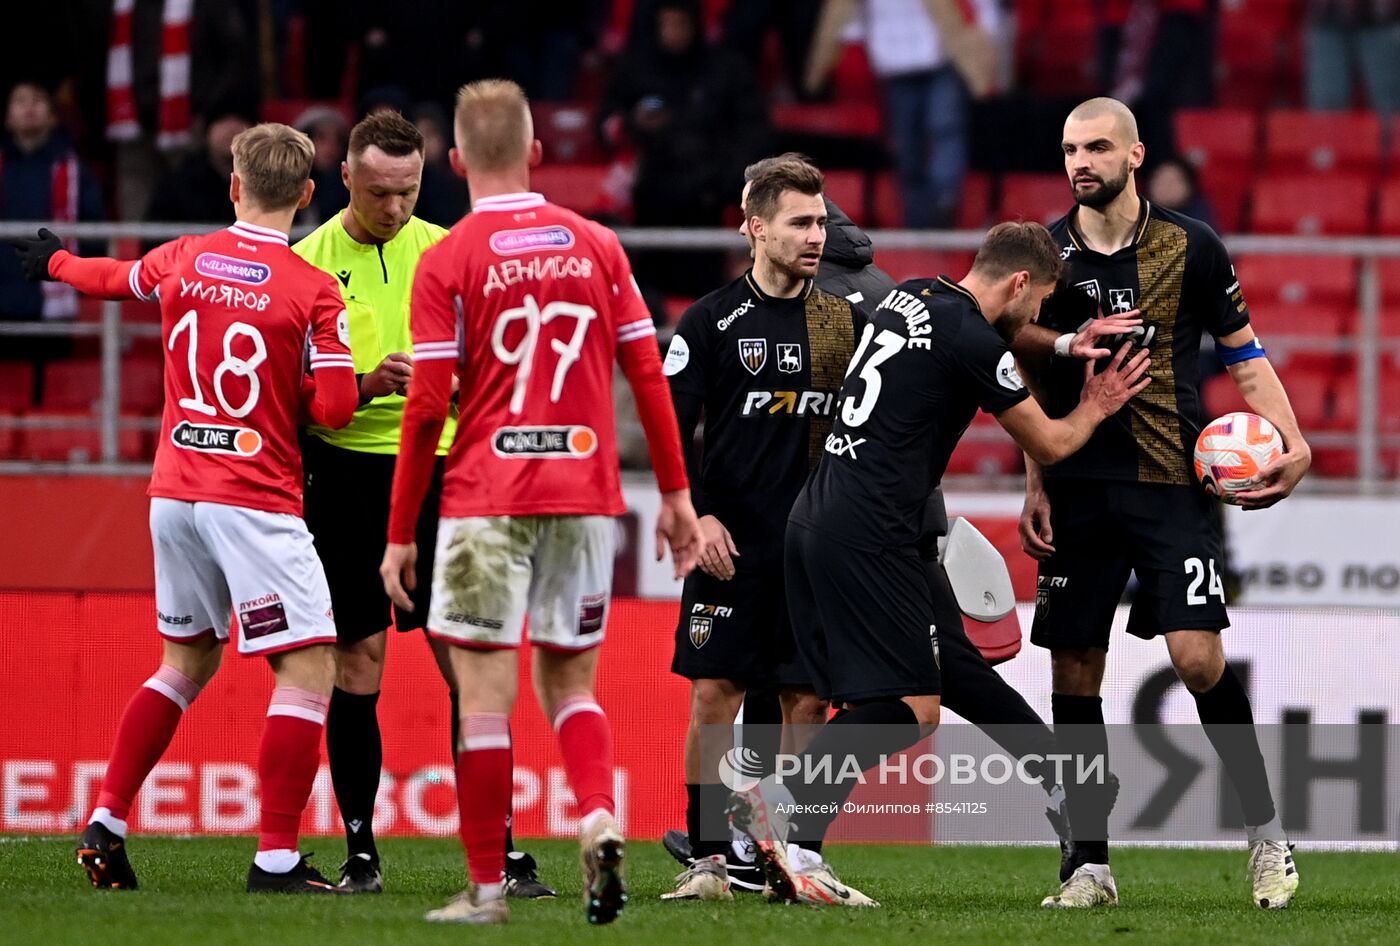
x,y
533,302
238,309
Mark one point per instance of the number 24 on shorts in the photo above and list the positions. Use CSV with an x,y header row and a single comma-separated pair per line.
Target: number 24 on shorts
x,y
1197,570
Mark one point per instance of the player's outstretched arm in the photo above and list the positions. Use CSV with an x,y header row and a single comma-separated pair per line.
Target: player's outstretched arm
x,y
1049,441
44,258
1264,393
1035,344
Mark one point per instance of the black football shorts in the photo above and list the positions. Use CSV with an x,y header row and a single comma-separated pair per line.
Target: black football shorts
x,y
1105,530
865,621
738,629
347,512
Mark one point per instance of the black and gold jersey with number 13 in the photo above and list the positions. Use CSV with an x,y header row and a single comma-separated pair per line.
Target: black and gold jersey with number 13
x,y
1178,273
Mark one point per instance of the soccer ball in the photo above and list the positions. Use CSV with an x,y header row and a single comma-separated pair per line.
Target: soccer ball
x,y
1231,451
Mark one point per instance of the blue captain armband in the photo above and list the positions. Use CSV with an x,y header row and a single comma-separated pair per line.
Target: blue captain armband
x,y
1233,356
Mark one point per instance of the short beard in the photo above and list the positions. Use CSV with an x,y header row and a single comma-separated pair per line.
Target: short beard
x,y
790,269
1107,192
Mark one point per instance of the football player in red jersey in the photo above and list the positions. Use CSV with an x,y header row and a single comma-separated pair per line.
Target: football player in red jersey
x,y
532,305
241,317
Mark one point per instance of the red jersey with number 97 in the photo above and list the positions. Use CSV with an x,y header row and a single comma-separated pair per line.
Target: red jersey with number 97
x,y
238,309
532,301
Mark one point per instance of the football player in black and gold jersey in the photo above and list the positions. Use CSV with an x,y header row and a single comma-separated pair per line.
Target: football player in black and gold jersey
x,y
1128,502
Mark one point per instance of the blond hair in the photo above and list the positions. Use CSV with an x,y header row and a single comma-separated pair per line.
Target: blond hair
x,y
493,125
274,163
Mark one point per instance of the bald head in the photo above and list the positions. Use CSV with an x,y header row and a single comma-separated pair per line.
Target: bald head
x,y
493,126
1124,124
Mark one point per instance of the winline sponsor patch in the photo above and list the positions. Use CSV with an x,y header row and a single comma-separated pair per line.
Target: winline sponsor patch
x,y
575,442
216,438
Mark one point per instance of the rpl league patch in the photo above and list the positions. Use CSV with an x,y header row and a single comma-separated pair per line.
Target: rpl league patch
x,y
590,614
700,631
753,352
261,617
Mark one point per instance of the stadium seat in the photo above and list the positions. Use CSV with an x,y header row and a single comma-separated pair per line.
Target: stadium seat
x,y
1304,142
851,79
1250,71
1275,317
1312,205
1297,280
1227,191
576,186
80,444
9,436
1217,140
922,264
1041,198
75,384
1063,58
835,119
847,189
16,386
566,131
143,385
975,209
1388,209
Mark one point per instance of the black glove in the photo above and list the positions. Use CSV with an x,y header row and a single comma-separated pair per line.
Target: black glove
x,y
35,252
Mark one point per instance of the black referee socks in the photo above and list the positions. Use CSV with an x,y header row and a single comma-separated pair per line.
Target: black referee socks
x,y
356,755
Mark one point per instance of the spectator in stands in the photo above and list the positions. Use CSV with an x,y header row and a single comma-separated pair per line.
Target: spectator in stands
x,y
695,115
330,133
167,64
929,60
444,197
747,26
197,190
41,178
1175,185
1345,37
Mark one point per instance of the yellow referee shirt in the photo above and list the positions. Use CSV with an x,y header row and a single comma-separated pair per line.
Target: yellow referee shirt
x,y
376,281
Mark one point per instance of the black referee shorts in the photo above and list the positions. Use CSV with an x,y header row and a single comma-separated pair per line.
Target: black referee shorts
x,y
1104,530
347,513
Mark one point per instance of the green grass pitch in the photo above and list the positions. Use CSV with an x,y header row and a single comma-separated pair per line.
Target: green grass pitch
x,y
192,895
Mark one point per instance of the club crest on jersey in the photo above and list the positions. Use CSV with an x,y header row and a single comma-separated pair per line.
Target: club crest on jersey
x,y
753,354
789,358
529,239
544,443
218,266
216,438
700,629
1091,288
1120,300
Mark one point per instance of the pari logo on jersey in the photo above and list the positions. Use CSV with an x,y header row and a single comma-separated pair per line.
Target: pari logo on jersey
x,y
545,443
529,239
218,266
800,403
217,438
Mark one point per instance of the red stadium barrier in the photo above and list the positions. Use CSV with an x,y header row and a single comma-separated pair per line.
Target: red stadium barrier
x,y
70,661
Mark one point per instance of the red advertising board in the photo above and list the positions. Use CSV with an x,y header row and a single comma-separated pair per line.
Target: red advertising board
x,y
68,663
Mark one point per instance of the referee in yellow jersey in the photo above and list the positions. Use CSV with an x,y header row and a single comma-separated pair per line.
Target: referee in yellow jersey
x,y
373,248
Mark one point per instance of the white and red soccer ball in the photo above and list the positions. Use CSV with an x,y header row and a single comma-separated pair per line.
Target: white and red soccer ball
x,y
1231,451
